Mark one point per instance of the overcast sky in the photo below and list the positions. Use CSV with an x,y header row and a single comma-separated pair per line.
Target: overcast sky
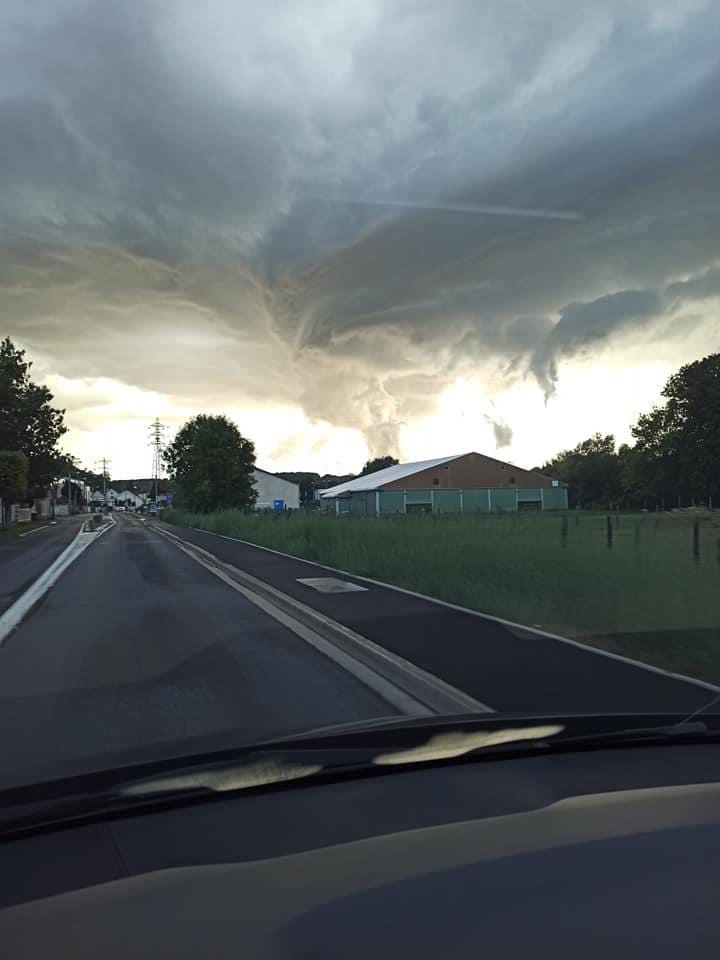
x,y
359,227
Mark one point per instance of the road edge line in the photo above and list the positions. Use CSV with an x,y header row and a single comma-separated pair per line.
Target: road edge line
x,y
398,681
511,624
45,526
11,618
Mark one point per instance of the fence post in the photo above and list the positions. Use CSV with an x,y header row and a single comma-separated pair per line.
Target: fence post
x,y
609,532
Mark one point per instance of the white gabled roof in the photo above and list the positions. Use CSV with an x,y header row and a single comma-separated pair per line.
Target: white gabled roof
x,y
372,481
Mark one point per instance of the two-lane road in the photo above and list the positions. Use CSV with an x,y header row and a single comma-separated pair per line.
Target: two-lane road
x,y
137,646
140,651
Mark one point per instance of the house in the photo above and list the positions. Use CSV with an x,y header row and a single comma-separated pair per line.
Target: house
x,y
465,483
130,499
274,493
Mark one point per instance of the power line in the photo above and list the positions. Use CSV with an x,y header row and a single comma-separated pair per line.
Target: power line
x,y
156,433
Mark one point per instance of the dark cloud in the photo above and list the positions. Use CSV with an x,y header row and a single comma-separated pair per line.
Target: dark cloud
x,y
581,325
701,287
502,432
334,206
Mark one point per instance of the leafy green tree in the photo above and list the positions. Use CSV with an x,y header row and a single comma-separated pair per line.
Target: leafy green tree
x,y
306,481
591,471
13,480
28,422
379,463
680,440
211,465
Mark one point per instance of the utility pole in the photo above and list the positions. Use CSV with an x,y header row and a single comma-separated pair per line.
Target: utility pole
x,y
156,433
105,463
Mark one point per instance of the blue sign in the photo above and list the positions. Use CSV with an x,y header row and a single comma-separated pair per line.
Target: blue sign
x,y
278,506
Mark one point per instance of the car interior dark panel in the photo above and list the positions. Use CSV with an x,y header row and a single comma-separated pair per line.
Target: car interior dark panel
x,y
278,823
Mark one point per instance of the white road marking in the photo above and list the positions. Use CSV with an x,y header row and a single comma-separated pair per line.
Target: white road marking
x,y
12,617
331,585
27,533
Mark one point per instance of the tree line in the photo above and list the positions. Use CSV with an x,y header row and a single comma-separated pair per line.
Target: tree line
x,y
674,461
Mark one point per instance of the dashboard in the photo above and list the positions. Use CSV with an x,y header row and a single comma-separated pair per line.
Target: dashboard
x,y
582,854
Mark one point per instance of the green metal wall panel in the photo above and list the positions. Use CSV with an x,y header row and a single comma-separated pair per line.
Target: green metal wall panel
x,y
446,501
363,504
391,501
475,501
555,498
417,496
529,495
503,499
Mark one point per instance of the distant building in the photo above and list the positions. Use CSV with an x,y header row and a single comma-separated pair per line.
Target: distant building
x,y
468,483
273,491
130,499
109,497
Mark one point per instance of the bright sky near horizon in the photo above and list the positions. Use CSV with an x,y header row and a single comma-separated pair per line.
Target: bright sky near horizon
x,y
359,228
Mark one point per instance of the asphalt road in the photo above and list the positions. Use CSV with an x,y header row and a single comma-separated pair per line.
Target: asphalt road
x,y
23,559
138,651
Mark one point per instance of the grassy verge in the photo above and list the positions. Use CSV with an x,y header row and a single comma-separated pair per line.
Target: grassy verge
x,y
648,588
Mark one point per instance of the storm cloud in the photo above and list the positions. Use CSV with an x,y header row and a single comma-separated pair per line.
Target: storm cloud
x,y
350,205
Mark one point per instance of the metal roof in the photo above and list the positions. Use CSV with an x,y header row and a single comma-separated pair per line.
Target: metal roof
x,y
379,478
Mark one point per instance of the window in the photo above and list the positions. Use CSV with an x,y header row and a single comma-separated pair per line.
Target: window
x,y
436,481
512,479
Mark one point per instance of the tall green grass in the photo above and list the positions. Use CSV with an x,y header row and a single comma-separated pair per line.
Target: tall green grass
x,y
649,575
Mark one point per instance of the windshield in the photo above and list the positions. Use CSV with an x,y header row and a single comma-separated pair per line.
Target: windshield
x,y
358,362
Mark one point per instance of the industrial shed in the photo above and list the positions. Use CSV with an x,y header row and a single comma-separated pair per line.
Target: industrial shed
x,y
467,483
273,491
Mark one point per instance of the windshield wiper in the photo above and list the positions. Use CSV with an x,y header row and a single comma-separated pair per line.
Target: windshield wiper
x,y
330,755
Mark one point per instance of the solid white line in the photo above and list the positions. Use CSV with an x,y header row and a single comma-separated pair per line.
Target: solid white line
x,y
586,648
45,526
15,613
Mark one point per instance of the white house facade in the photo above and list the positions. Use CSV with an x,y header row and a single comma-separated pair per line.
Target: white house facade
x,y
275,493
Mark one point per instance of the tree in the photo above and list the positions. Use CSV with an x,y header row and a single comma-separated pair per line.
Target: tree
x,y
591,470
379,463
680,440
212,465
13,480
306,481
28,422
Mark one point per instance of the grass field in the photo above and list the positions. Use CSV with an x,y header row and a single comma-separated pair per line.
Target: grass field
x,y
644,585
